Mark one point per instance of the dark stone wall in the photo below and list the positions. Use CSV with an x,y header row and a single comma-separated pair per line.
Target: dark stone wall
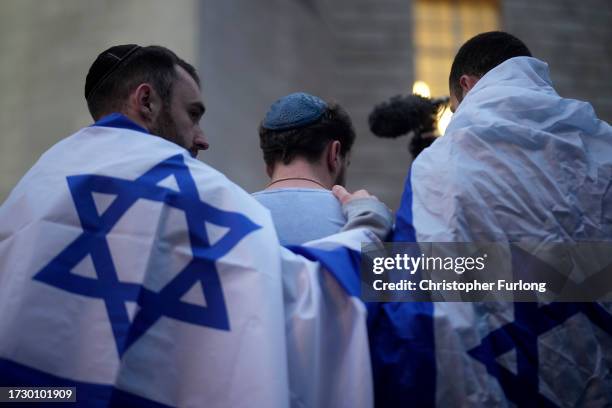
x,y
359,53
575,38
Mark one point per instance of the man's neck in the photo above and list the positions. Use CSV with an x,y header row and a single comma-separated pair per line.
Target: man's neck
x,y
136,119
131,115
300,174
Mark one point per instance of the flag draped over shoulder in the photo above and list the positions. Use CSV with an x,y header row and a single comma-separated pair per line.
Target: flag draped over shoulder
x,y
517,163
145,278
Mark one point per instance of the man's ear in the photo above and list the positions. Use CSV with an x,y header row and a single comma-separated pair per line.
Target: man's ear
x,y
145,102
269,170
333,155
467,82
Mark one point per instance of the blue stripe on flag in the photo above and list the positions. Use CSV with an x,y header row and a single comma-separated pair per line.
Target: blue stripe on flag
x,y
342,263
404,230
403,355
402,341
119,121
87,394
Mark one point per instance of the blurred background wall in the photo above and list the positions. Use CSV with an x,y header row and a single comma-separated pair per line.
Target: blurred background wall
x,y
46,49
250,52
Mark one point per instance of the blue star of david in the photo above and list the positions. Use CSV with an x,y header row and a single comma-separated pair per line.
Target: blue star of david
x,y
153,305
530,321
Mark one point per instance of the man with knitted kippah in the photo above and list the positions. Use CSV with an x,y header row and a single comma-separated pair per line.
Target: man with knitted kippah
x,y
306,144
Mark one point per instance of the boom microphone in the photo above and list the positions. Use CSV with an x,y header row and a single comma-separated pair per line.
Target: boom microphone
x,y
403,115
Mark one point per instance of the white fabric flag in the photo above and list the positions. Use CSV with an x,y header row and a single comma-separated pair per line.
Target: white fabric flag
x,y
142,276
518,163
517,160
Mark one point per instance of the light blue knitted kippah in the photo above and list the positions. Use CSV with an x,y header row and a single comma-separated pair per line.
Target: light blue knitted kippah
x,y
293,111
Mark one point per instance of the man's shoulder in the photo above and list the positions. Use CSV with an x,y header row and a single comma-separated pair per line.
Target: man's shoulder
x,y
299,200
293,191
113,152
302,215
299,194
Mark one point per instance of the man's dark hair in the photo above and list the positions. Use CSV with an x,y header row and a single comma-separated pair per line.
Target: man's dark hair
x,y
120,69
308,141
482,53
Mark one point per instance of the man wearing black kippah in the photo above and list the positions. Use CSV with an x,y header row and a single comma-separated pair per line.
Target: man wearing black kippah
x,y
143,277
152,87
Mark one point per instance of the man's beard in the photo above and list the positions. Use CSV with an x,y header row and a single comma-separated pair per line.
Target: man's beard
x,y
165,127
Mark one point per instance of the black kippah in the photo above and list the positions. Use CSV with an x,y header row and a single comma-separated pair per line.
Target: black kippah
x,y
107,62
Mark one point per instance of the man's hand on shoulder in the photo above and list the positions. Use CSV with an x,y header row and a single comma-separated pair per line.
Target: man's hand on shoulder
x,y
364,210
344,196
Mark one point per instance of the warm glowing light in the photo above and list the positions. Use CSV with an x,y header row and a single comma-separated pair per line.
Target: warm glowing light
x,y
421,88
444,119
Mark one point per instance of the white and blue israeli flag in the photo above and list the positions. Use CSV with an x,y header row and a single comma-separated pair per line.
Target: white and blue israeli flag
x,y
143,277
517,163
